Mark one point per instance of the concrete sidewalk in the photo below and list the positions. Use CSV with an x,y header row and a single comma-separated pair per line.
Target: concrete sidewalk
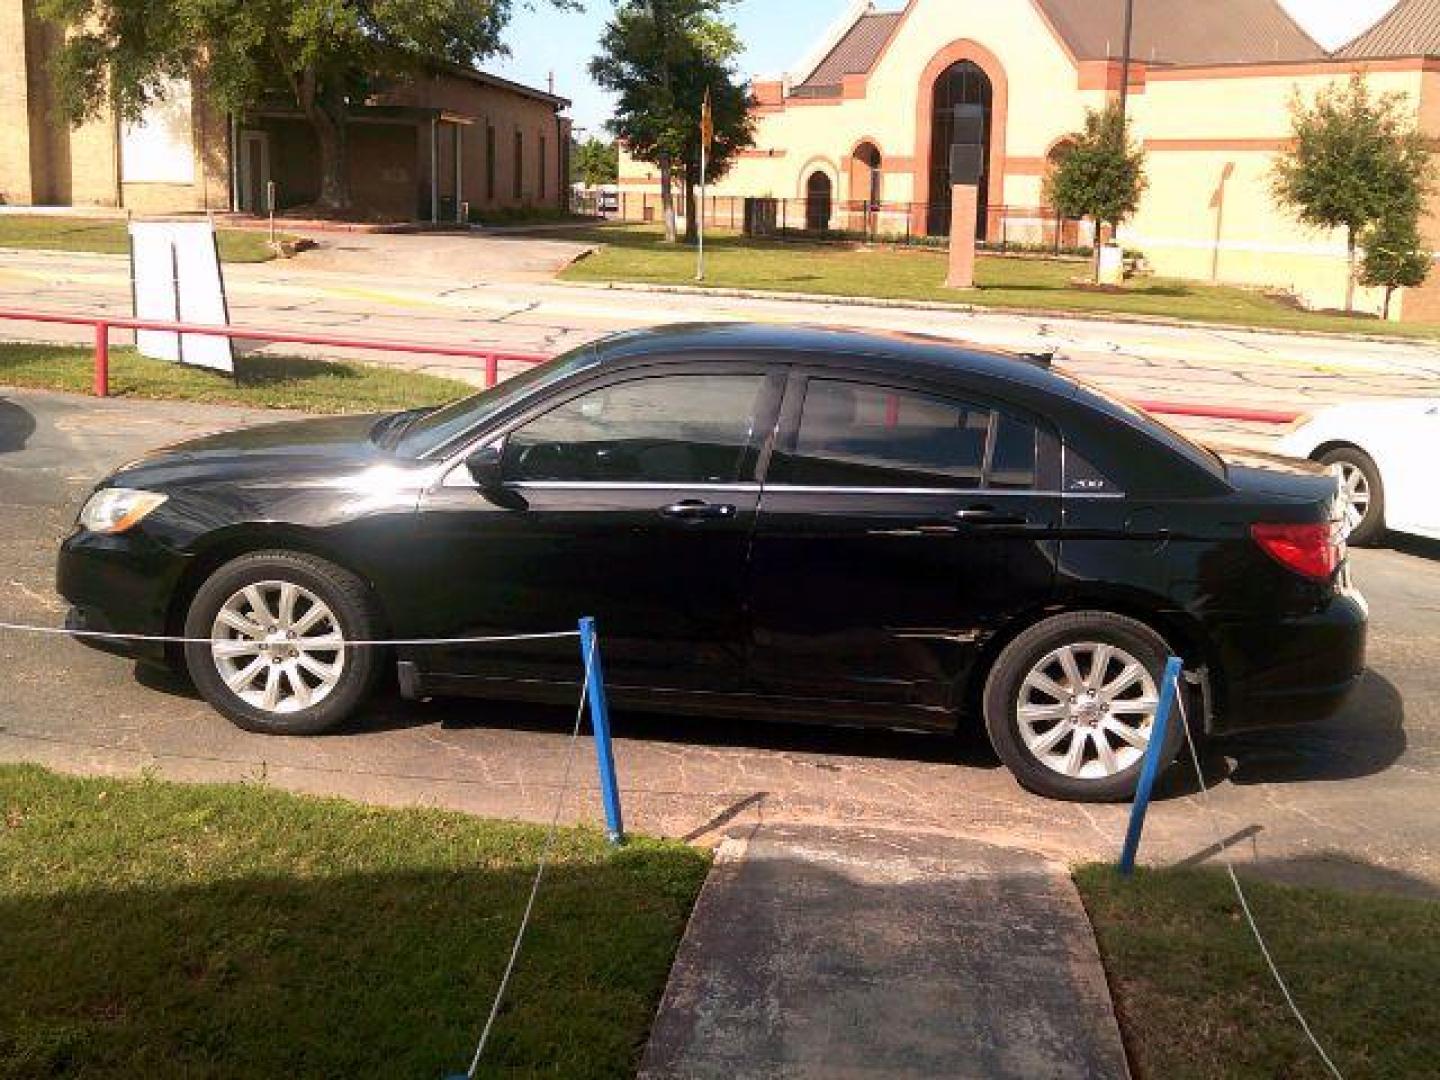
x,y
851,952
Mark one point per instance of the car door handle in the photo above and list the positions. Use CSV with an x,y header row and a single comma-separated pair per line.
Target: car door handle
x,y
989,515
698,510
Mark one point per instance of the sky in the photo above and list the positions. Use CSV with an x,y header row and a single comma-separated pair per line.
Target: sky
x,y
778,33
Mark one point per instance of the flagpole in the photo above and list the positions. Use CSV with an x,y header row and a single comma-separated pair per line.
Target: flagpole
x,y
700,221
707,132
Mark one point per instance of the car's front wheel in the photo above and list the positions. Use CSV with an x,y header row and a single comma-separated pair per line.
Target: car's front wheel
x,y
1070,705
278,654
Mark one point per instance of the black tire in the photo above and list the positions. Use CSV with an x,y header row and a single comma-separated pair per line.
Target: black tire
x,y
341,591
1371,529
1006,680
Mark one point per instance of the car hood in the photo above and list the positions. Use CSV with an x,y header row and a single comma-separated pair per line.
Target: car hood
x,y
278,452
1259,473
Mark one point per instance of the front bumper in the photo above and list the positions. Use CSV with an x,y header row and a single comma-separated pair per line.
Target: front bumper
x,y
1293,670
120,585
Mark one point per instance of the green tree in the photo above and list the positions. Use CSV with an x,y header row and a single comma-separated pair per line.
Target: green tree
x,y
1355,160
320,54
595,162
659,57
1101,175
1395,256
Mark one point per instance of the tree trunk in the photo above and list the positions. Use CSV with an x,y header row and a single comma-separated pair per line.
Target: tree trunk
x,y
667,197
1350,271
1389,293
326,113
692,219
1098,243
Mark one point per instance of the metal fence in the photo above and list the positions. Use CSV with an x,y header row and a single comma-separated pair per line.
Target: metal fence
x,y
1007,228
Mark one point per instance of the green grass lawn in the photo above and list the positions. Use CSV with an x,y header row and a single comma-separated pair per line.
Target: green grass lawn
x,y
150,929
54,232
637,254
1195,999
277,382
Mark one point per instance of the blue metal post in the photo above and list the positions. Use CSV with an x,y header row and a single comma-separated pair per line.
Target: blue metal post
x,y
1169,687
600,722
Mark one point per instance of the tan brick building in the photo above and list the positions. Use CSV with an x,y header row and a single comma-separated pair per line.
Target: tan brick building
x,y
858,137
418,150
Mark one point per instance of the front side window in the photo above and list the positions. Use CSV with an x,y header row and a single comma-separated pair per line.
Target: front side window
x,y
676,429
857,435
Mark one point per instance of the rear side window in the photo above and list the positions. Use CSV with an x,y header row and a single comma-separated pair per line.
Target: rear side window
x,y
858,435
671,429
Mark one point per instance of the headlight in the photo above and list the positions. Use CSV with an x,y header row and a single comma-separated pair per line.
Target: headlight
x,y
114,510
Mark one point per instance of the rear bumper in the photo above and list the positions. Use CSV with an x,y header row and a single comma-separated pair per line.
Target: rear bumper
x,y
118,585
1294,670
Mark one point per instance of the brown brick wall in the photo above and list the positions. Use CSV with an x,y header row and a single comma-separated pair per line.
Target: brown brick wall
x,y
508,113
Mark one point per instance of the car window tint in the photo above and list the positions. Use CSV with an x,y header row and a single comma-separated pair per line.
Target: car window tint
x,y
855,435
673,429
1012,456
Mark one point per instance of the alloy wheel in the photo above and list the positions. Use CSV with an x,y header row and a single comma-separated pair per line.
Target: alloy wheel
x,y
1087,710
278,647
1356,489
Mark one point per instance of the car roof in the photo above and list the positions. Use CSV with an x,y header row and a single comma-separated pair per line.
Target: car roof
x,y
889,350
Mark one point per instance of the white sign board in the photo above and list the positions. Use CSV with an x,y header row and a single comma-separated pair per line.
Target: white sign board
x,y
175,271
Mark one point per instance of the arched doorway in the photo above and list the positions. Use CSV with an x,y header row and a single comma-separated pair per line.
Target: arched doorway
x,y
961,84
1063,233
866,183
819,198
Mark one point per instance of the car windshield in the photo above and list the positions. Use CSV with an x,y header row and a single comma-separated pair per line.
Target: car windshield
x,y
434,432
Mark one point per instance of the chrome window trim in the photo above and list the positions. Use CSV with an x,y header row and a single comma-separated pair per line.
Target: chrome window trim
x,y
986,492
752,487
636,485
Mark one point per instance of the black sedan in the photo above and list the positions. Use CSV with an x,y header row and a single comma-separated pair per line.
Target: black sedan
x,y
802,523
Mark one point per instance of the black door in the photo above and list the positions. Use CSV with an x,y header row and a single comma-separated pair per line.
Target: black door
x,y
631,499
898,526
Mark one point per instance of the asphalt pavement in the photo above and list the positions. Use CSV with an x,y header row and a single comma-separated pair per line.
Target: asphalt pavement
x,y
1353,800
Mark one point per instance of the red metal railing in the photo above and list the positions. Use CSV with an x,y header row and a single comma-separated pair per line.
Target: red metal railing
x,y
103,324
493,358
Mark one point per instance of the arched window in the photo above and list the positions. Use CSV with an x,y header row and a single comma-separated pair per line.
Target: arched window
x,y
961,84
865,174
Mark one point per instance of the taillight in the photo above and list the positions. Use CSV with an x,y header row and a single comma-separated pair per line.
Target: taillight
x,y
1314,550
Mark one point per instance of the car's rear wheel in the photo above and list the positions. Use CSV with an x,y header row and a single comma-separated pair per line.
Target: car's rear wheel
x,y
1363,491
278,656
1070,705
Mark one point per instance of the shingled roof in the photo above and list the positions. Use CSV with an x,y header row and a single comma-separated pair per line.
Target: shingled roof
x,y
1411,29
1183,32
854,54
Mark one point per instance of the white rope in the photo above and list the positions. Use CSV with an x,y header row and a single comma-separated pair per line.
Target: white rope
x,y
165,639
539,872
1245,903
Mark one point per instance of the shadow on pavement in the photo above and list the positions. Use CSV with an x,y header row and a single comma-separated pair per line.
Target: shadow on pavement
x,y
1414,545
969,748
16,427
1365,738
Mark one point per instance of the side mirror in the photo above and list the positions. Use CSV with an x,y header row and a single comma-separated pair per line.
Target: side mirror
x,y
487,467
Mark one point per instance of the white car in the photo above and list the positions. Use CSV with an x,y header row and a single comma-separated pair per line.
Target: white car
x,y
1388,454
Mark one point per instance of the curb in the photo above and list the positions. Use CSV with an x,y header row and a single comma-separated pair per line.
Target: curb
x,y
1128,319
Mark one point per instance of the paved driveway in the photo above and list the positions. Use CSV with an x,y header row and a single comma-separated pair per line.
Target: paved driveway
x,y
1354,799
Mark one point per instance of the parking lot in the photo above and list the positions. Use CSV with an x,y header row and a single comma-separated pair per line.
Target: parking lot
x,y
1350,800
